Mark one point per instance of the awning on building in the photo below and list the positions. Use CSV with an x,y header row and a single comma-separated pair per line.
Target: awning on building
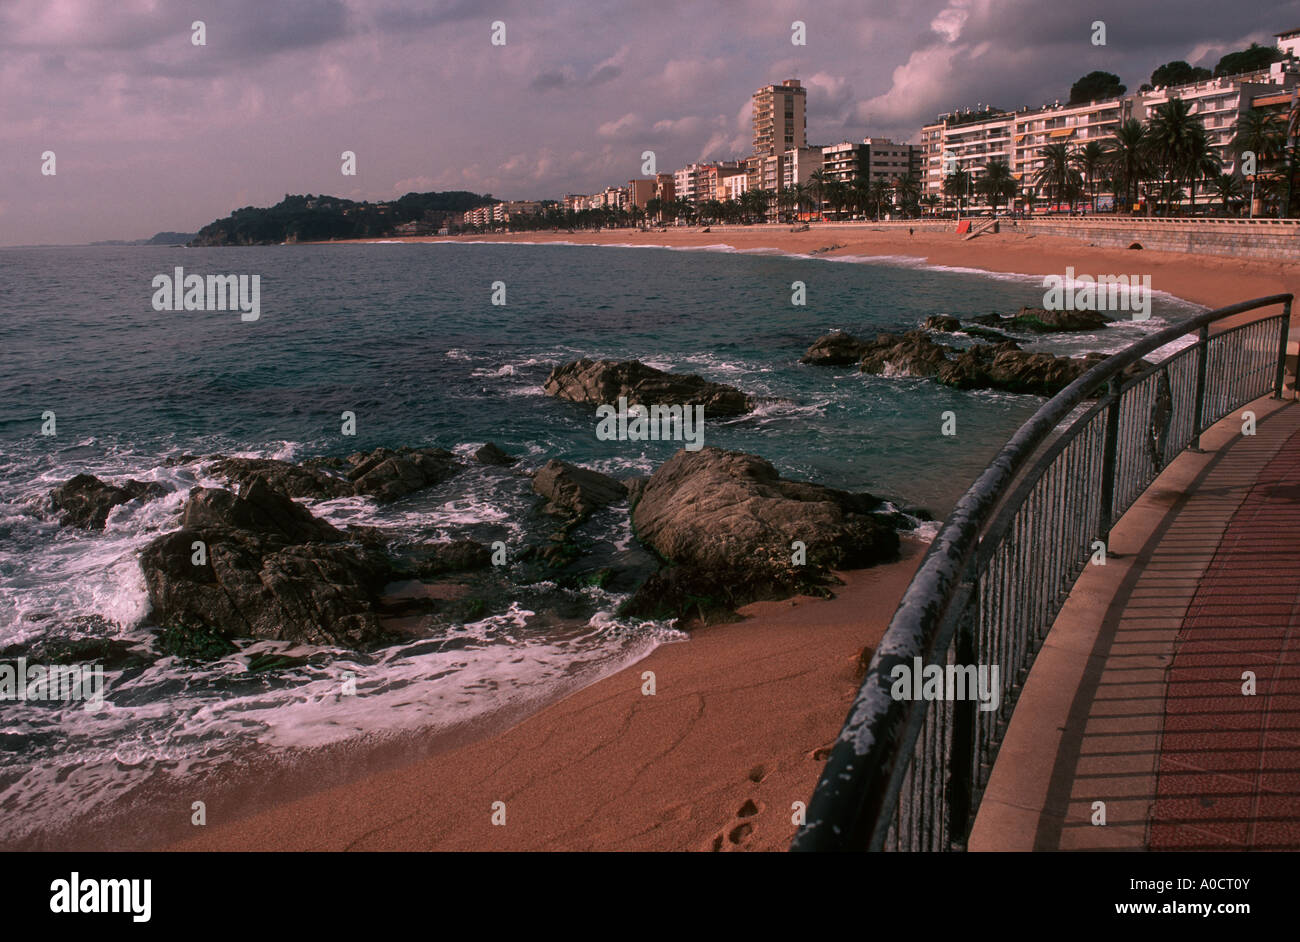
x,y
1061,132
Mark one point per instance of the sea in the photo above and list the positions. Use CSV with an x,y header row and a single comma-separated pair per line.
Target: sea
x,y
407,338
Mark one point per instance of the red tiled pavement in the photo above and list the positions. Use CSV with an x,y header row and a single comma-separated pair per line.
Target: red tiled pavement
x,y
1229,764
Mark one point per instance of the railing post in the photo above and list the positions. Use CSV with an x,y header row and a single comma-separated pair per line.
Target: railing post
x,y
1109,449
1202,364
961,758
1285,335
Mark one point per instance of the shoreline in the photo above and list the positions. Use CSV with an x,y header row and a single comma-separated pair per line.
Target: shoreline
x,y
609,768
1209,280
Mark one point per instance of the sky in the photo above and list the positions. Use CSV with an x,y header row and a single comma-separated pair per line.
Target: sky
x,y
151,132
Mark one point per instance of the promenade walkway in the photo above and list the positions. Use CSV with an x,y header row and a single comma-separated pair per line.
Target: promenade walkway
x,y
1138,711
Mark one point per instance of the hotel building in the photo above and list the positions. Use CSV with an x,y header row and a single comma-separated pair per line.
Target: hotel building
x,y
780,118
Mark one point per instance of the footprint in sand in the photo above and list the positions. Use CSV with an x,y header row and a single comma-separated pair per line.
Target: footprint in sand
x,y
735,836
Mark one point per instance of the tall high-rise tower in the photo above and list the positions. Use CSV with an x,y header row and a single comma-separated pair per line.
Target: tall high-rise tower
x,y
780,118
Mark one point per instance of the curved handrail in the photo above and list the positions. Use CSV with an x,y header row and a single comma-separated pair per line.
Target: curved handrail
x,y
855,796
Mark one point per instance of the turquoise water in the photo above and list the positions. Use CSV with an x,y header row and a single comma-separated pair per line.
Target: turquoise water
x,y
405,337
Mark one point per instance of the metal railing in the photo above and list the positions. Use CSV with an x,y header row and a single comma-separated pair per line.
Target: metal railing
x,y
908,774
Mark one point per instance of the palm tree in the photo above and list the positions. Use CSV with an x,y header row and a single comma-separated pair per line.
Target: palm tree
x,y
860,193
836,196
1128,158
998,183
930,201
1088,160
1227,188
802,196
908,188
956,184
1174,143
1200,162
879,193
818,180
1263,135
1058,172
1031,194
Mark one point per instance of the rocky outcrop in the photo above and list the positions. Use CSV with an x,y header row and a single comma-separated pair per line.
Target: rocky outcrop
x,y
435,559
303,481
1039,320
836,349
386,474
267,568
730,530
912,354
603,382
85,500
941,322
574,492
492,455
982,366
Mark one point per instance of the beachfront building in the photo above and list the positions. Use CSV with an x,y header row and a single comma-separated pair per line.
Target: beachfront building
x,y
798,165
1220,103
1075,125
887,160
691,183
780,118
698,183
733,186
640,192
964,141
665,187
499,214
969,140
845,162
722,172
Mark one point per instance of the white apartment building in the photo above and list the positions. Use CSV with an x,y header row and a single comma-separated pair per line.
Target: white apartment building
x,y
969,140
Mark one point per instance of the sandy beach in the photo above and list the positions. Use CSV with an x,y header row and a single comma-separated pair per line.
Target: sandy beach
x,y
731,737
713,760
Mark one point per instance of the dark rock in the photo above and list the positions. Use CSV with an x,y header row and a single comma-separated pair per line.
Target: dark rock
x,y
912,354
988,333
258,509
942,322
290,479
434,559
388,475
575,492
1005,367
724,523
86,500
603,382
272,571
109,653
491,454
635,485
385,474
1042,321
835,349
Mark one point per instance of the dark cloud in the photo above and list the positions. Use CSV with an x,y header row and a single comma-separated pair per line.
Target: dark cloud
x,y
153,133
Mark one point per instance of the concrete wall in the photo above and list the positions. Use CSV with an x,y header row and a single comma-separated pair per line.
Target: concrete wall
x,y
1272,240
